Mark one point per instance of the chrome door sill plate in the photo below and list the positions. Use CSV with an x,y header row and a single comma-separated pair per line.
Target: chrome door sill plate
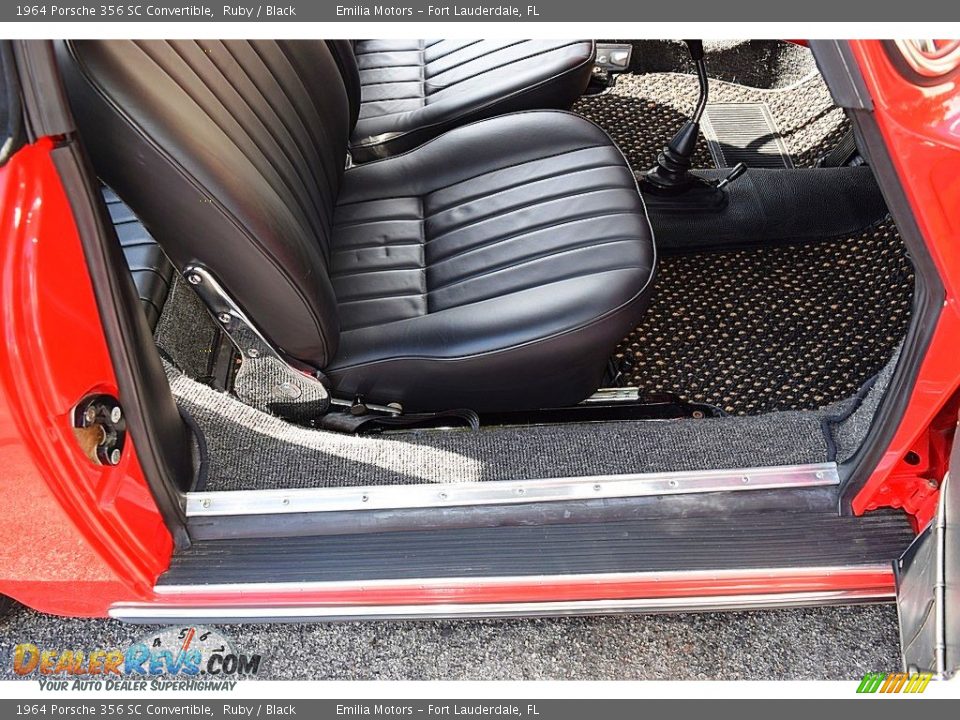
x,y
743,589
394,497
308,613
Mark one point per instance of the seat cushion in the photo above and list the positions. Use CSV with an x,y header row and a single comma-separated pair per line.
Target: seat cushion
x,y
413,90
495,267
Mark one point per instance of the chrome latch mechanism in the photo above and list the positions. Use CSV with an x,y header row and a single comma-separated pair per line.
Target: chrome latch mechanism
x,y
265,380
100,428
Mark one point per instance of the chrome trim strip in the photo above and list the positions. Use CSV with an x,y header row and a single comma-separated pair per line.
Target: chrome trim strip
x,y
290,385
391,497
605,396
521,580
301,613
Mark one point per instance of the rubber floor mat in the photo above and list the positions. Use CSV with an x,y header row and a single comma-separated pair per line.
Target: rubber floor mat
x,y
744,132
642,112
778,328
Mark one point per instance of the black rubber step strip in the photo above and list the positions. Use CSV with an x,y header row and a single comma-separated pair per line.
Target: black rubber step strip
x,y
761,540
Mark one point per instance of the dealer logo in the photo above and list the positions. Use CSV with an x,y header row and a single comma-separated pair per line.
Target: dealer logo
x,y
175,658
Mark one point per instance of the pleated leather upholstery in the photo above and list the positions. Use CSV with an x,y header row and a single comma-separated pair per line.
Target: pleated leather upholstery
x,y
518,242
413,90
231,153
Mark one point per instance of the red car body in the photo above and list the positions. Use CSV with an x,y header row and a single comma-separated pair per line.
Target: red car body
x,y
79,538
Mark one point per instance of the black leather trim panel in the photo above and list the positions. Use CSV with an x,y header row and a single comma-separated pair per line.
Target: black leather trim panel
x,y
152,272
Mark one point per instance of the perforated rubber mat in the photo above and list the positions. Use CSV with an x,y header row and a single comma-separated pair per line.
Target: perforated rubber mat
x,y
642,112
779,328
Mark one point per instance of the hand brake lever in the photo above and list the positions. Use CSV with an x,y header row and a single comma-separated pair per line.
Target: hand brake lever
x,y
738,170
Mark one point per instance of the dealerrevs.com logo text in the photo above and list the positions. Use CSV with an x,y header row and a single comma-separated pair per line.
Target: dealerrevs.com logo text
x,y
175,658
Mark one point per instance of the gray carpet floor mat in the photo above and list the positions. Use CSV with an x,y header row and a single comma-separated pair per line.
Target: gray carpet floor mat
x,y
643,111
248,449
186,334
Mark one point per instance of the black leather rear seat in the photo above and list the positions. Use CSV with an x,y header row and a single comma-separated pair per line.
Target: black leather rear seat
x,y
152,272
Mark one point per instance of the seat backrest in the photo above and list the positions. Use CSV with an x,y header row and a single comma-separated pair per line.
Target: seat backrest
x,y
345,55
232,154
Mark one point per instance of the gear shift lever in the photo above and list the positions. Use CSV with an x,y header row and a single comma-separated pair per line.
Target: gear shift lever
x,y
671,175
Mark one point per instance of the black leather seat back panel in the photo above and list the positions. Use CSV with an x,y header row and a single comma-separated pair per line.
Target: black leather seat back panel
x,y
244,144
345,56
413,90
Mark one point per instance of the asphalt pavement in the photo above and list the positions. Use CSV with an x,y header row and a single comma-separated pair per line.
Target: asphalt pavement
x,y
811,643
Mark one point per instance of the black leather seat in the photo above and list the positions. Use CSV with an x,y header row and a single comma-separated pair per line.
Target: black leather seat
x,y
495,267
404,92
